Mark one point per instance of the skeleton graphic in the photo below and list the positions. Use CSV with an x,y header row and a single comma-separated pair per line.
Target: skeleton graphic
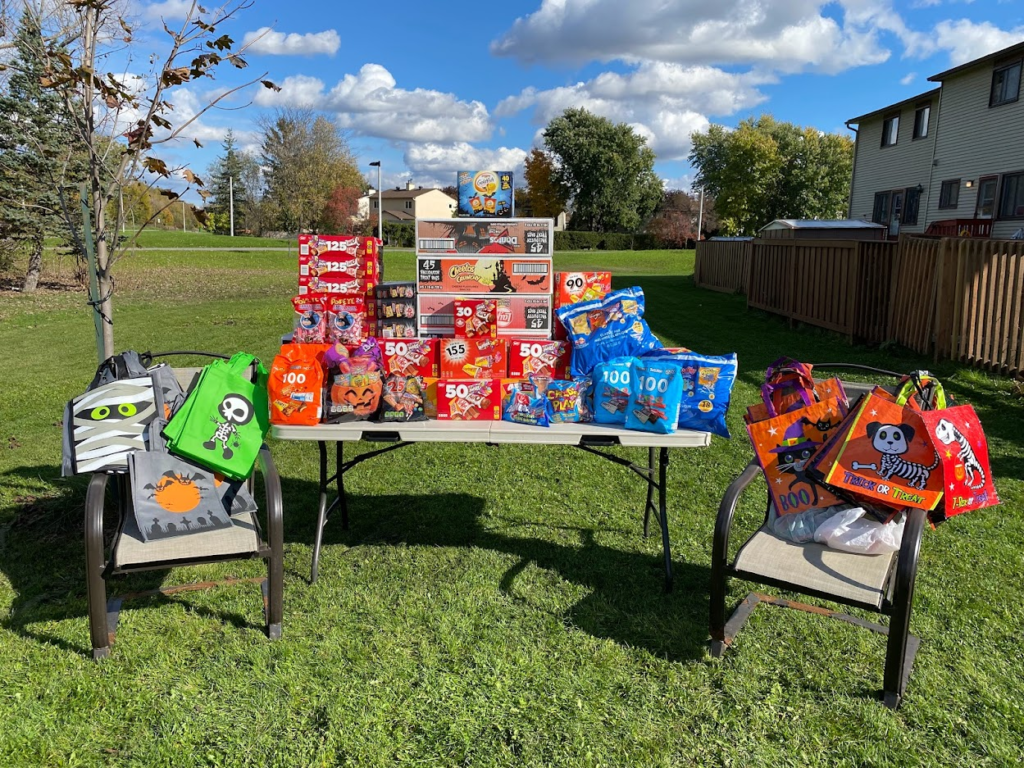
x,y
236,412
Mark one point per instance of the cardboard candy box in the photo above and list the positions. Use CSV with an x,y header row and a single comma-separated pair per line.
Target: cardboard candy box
x,y
473,358
467,399
415,357
522,237
337,246
572,287
535,357
476,318
491,275
331,263
485,193
517,316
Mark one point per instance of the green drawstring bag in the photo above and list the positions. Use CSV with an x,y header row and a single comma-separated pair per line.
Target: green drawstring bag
x,y
222,423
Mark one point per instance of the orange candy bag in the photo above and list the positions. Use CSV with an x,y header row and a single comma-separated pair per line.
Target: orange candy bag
x,y
295,385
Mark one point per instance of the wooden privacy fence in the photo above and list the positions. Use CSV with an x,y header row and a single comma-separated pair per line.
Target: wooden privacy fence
x,y
722,265
842,285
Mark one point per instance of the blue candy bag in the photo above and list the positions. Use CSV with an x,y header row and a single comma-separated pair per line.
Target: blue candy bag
x,y
655,393
528,404
567,400
604,329
707,387
611,390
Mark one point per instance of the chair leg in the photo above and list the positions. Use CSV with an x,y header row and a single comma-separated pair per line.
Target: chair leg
x,y
718,585
96,586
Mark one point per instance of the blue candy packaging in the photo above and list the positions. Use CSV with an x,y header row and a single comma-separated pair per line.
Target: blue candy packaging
x,y
611,390
528,404
568,400
707,387
655,392
607,328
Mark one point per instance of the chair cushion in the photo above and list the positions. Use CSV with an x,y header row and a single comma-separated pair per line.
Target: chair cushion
x,y
861,578
187,377
241,539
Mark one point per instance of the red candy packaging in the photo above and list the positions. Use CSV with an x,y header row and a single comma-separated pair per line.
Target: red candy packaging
x,y
469,399
415,357
476,318
535,357
311,319
474,358
346,319
572,287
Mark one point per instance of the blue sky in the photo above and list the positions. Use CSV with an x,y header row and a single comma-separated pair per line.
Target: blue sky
x,y
429,88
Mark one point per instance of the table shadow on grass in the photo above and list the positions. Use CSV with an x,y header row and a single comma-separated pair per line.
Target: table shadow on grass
x,y
625,600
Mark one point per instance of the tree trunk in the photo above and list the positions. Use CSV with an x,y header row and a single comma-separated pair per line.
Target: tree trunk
x,y
104,279
35,266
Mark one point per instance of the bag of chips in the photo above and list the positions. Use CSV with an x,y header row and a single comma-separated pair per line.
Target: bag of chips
x,y
310,320
611,390
295,386
707,387
403,399
528,403
607,328
655,392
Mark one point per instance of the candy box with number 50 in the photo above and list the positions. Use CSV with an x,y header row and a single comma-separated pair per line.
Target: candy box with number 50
x,y
473,358
410,357
535,357
468,399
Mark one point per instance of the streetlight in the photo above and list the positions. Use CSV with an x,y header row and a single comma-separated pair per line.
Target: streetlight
x,y
380,204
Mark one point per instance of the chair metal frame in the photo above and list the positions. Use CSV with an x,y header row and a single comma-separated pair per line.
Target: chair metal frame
x,y
897,601
100,565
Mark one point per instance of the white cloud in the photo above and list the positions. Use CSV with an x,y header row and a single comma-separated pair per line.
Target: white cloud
x,y
441,162
966,40
371,104
908,78
168,10
665,103
271,43
788,36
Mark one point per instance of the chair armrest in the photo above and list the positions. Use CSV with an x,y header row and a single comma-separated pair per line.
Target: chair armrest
x,y
726,511
274,503
95,496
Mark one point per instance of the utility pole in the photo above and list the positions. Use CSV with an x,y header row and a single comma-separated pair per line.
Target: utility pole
x,y
182,215
700,215
231,203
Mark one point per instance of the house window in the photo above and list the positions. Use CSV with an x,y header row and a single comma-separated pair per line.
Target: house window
x,y
374,203
1011,201
1005,85
880,215
985,206
921,117
913,202
890,130
949,196
408,204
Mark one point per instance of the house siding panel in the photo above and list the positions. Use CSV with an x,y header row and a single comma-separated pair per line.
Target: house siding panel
x,y
905,164
975,140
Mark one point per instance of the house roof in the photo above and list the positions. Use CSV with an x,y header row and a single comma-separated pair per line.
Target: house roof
x,y
1018,48
891,107
400,215
820,224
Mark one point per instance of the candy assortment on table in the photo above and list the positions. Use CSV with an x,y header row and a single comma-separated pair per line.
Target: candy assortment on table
x,y
475,318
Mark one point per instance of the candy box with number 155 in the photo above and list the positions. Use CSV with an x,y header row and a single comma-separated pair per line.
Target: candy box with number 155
x,y
474,358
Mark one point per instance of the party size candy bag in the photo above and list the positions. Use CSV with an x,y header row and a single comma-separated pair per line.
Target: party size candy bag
x,y
611,390
528,403
351,396
295,385
403,399
310,320
607,328
567,401
346,319
707,387
655,392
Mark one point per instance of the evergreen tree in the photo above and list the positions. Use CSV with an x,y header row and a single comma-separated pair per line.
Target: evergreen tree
x,y
225,180
36,148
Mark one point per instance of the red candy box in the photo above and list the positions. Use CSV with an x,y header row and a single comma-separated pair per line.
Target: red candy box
x,y
476,318
413,357
469,399
474,358
536,357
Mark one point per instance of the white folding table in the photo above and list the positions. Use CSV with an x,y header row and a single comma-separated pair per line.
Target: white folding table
x,y
587,437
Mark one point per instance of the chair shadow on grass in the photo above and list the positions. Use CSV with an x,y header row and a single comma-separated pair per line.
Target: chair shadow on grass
x,y
42,556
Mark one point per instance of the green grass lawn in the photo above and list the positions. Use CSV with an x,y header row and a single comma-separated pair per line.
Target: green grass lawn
x,y
489,606
170,238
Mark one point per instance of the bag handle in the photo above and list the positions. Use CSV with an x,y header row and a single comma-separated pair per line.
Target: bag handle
x,y
930,389
767,390
241,361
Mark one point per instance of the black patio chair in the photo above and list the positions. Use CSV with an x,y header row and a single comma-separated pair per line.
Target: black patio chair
x,y
878,583
128,553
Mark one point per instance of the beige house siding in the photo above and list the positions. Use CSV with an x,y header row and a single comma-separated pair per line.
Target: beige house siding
x,y
975,140
902,165
434,204
431,204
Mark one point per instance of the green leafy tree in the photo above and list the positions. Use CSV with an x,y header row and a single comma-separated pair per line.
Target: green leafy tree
x,y
225,180
37,149
766,170
605,170
305,159
544,196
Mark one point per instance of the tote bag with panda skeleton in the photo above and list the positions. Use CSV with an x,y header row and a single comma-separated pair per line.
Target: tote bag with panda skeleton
x,y
224,419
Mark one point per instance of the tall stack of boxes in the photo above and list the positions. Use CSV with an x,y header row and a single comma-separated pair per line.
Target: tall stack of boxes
x,y
341,265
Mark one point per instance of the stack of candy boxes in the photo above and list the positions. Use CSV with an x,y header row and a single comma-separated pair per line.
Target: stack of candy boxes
x,y
346,267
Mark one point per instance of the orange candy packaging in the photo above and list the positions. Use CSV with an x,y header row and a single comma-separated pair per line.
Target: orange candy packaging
x,y
295,385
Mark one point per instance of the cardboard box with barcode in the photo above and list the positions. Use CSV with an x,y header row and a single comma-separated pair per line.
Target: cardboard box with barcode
x,y
518,315
496,237
483,275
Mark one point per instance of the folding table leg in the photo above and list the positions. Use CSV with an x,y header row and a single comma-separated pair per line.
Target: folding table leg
x,y
663,516
321,518
341,487
650,491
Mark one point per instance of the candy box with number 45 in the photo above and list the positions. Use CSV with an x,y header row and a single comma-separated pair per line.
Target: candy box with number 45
x,y
474,358
469,399
533,357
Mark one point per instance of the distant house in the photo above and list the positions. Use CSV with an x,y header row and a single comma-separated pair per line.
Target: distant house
x,y
409,204
950,160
